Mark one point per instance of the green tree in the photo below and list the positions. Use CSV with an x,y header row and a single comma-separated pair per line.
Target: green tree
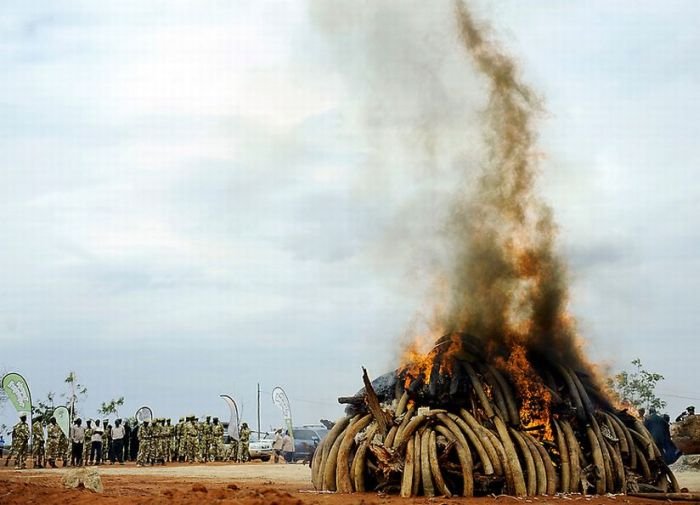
x,y
638,387
44,408
111,407
77,393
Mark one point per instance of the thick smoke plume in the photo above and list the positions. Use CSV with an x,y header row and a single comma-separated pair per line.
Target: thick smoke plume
x,y
508,287
475,223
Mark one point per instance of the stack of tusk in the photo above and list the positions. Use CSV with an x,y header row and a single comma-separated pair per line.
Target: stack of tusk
x,y
476,445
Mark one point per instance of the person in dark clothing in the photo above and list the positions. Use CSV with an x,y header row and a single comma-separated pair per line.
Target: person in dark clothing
x,y
134,443
657,427
127,440
670,452
689,411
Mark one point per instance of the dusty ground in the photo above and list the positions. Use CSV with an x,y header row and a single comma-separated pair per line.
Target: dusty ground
x,y
249,484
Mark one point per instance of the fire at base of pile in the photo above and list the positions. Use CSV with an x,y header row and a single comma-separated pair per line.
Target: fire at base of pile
x,y
464,433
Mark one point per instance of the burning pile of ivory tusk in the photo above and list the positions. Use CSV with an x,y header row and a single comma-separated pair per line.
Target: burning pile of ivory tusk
x,y
462,433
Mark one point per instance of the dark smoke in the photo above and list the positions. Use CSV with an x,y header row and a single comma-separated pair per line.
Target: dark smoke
x,y
508,286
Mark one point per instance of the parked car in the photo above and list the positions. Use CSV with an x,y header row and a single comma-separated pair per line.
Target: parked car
x,y
306,439
261,448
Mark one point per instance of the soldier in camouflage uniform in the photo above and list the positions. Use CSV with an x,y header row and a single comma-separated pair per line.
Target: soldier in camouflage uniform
x,y
161,442
86,444
106,440
38,443
190,435
144,442
20,442
52,440
200,441
243,452
208,440
217,432
63,448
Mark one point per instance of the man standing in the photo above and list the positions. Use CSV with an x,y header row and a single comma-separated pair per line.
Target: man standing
x,y
96,443
288,447
118,433
277,446
87,445
38,443
217,446
243,449
20,441
77,438
52,440
143,434
657,428
106,440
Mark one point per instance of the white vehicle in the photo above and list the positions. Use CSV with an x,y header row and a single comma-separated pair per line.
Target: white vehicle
x,y
262,448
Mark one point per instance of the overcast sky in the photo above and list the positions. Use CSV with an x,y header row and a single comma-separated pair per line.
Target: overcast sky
x,y
196,197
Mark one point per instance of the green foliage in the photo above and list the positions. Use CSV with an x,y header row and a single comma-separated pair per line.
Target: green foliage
x,y
77,393
111,407
44,408
638,387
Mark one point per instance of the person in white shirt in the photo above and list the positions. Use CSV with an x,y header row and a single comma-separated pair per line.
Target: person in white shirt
x,y
288,447
96,447
118,442
77,438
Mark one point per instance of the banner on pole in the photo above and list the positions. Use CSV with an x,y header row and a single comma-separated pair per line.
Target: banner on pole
x,y
234,420
279,398
144,414
62,419
17,391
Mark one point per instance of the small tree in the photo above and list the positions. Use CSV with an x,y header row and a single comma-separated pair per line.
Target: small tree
x,y
638,386
111,407
77,392
44,408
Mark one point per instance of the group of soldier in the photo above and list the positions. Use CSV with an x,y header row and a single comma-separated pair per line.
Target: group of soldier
x,y
189,441
151,442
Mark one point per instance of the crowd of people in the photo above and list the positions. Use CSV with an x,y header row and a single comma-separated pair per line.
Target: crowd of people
x,y
151,442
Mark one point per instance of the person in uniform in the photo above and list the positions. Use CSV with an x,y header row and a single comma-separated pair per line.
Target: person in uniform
x,y
106,440
191,445
87,442
38,443
243,449
142,457
217,433
63,447
20,442
52,440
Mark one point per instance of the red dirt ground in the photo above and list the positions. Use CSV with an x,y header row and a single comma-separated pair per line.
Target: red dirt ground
x,y
250,484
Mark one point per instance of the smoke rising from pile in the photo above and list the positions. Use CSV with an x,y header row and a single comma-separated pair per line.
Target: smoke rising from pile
x,y
508,285
496,273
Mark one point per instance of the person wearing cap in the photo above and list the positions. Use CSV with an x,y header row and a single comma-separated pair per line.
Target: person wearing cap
x,y
38,443
689,411
190,433
143,434
243,443
52,439
20,442
217,446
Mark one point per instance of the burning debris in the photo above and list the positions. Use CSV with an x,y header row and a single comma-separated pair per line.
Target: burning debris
x,y
506,401
462,424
